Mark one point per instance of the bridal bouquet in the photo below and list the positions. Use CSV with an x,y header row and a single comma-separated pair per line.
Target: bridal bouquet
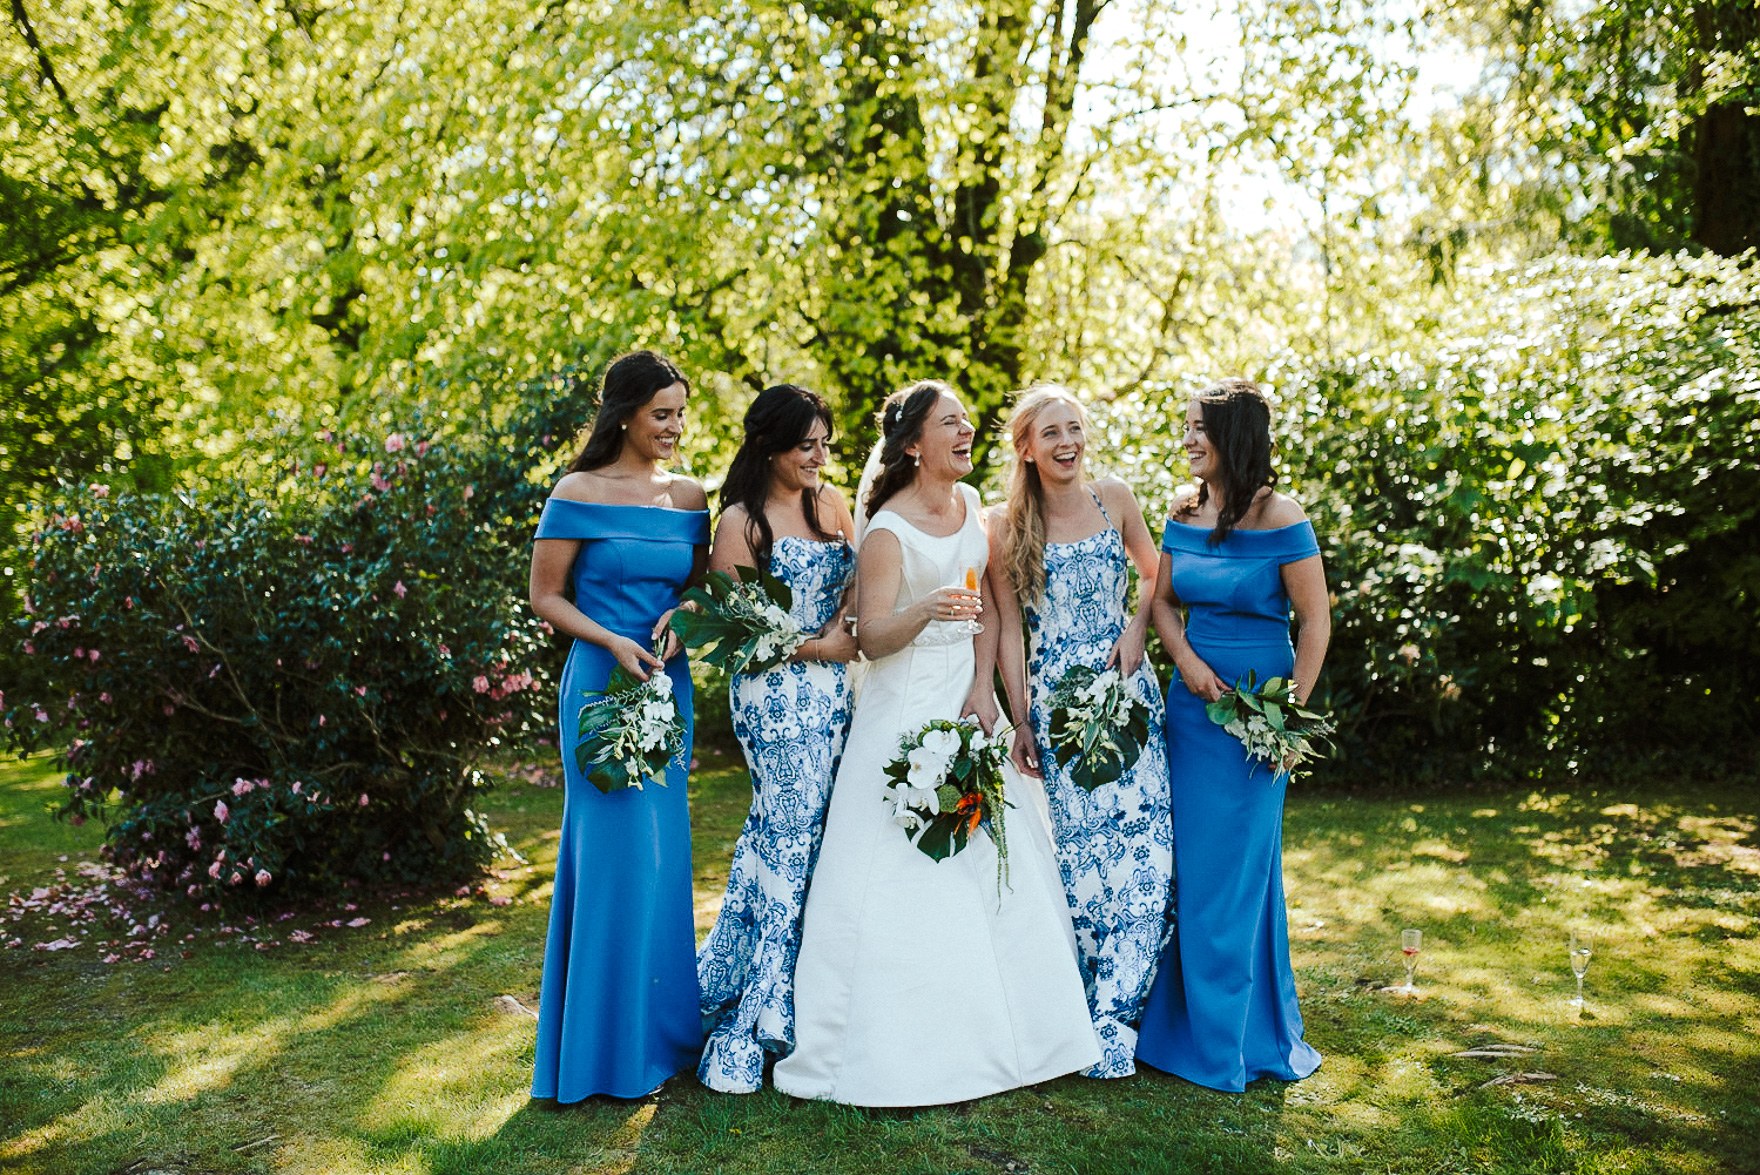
x,y
741,622
629,732
946,781
1098,725
1270,722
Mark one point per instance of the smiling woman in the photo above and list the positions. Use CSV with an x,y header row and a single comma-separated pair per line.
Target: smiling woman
x,y
619,539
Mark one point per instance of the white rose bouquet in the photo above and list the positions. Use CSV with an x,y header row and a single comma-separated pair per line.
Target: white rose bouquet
x,y
1098,725
945,783
629,732
1273,726
740,622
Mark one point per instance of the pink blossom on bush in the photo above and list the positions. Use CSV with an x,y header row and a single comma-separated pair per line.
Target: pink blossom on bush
x,y
361,690
348,548
235,879
421,448
92,656
304,540
480,684
105,697
394,443
364,800
380,484
296,786
29,648
263,877
128,602
193,838
320,469
241,786
221,811
470,492
445,652
41,716
189,642
400,589
214,869
100,491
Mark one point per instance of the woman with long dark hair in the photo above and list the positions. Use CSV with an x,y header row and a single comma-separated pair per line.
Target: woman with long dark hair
x,y
1061,551
777,515
1238,558
618,1010
921,981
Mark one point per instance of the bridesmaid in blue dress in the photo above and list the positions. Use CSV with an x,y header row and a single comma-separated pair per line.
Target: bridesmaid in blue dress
x,y
1237,557
1062,550
790,721
619,540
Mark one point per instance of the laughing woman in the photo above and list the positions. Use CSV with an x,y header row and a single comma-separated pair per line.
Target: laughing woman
x,y
790,722
1237,557
1062,550
619,539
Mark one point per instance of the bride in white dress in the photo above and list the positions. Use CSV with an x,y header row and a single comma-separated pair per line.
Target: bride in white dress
x,y
918,983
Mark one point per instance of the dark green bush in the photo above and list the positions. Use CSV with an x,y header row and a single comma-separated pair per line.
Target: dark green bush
x,y
291,686
1542,529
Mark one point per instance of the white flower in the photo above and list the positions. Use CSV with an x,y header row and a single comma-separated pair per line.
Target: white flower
x,y
661,683
944,743
926,769
776,618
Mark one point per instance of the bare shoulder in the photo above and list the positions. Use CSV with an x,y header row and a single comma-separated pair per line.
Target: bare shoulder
x,y
580,487
732,520
834,509
687,493
1277,510
1117,494
1185,499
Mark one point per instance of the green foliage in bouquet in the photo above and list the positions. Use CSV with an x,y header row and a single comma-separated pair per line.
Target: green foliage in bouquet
x,y
629,732
1098,726
1270,722
945,783
741,623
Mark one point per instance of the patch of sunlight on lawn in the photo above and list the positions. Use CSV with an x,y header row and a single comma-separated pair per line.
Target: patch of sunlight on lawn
x,y
457,1088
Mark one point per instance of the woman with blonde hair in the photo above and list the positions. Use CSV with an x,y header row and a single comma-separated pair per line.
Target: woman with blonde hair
x,y
1061,552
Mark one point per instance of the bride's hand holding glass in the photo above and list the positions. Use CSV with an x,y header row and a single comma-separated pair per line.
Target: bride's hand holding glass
x,y
952,604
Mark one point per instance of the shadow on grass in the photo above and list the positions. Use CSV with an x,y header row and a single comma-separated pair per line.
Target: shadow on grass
x,y
368,1054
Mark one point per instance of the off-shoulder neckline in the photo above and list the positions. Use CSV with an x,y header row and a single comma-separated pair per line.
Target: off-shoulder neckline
x,y
1239,529
624,505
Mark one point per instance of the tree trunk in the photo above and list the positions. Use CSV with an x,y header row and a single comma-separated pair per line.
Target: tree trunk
x,y
1726,188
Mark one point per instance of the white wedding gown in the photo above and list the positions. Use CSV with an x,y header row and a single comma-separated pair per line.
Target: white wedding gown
x,y
916,984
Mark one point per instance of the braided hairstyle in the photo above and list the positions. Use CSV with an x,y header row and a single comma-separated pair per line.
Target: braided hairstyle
x,y
1237,420
778,420
901,419
631,380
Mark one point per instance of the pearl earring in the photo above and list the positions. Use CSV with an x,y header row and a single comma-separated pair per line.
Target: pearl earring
x,y
917,460
624,427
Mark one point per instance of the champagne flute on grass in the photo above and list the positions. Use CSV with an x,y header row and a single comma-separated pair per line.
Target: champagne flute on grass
x,y
1581,948
1410,942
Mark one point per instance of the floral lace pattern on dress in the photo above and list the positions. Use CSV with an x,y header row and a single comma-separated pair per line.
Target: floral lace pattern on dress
x,y
790,722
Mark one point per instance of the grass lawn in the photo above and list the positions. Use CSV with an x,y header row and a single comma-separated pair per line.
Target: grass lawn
x,y
381,1048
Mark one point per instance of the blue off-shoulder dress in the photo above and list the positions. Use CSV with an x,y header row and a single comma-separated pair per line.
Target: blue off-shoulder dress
x,y
1222,1010
617,1013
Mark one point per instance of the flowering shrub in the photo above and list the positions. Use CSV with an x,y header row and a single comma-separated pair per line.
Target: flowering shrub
x,y
262,688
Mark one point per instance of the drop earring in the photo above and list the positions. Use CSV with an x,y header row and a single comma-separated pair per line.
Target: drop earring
x,y
624,427
917,460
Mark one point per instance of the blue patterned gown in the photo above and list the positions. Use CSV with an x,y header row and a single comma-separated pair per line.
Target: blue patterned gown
x,y
791,722
1114,844
1223,1009
617,1013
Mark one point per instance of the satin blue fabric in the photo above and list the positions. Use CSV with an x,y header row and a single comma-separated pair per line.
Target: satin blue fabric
x,y
1223,1010
617,1012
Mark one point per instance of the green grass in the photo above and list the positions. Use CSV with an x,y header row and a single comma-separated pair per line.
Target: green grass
x,y
380,1049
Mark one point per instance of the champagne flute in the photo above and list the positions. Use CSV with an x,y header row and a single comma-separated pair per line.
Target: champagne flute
x,y
1410,943
973,627
1581,948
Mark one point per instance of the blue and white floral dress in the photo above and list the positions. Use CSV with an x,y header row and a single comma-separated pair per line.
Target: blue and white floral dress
x,y
1114,844
791,722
